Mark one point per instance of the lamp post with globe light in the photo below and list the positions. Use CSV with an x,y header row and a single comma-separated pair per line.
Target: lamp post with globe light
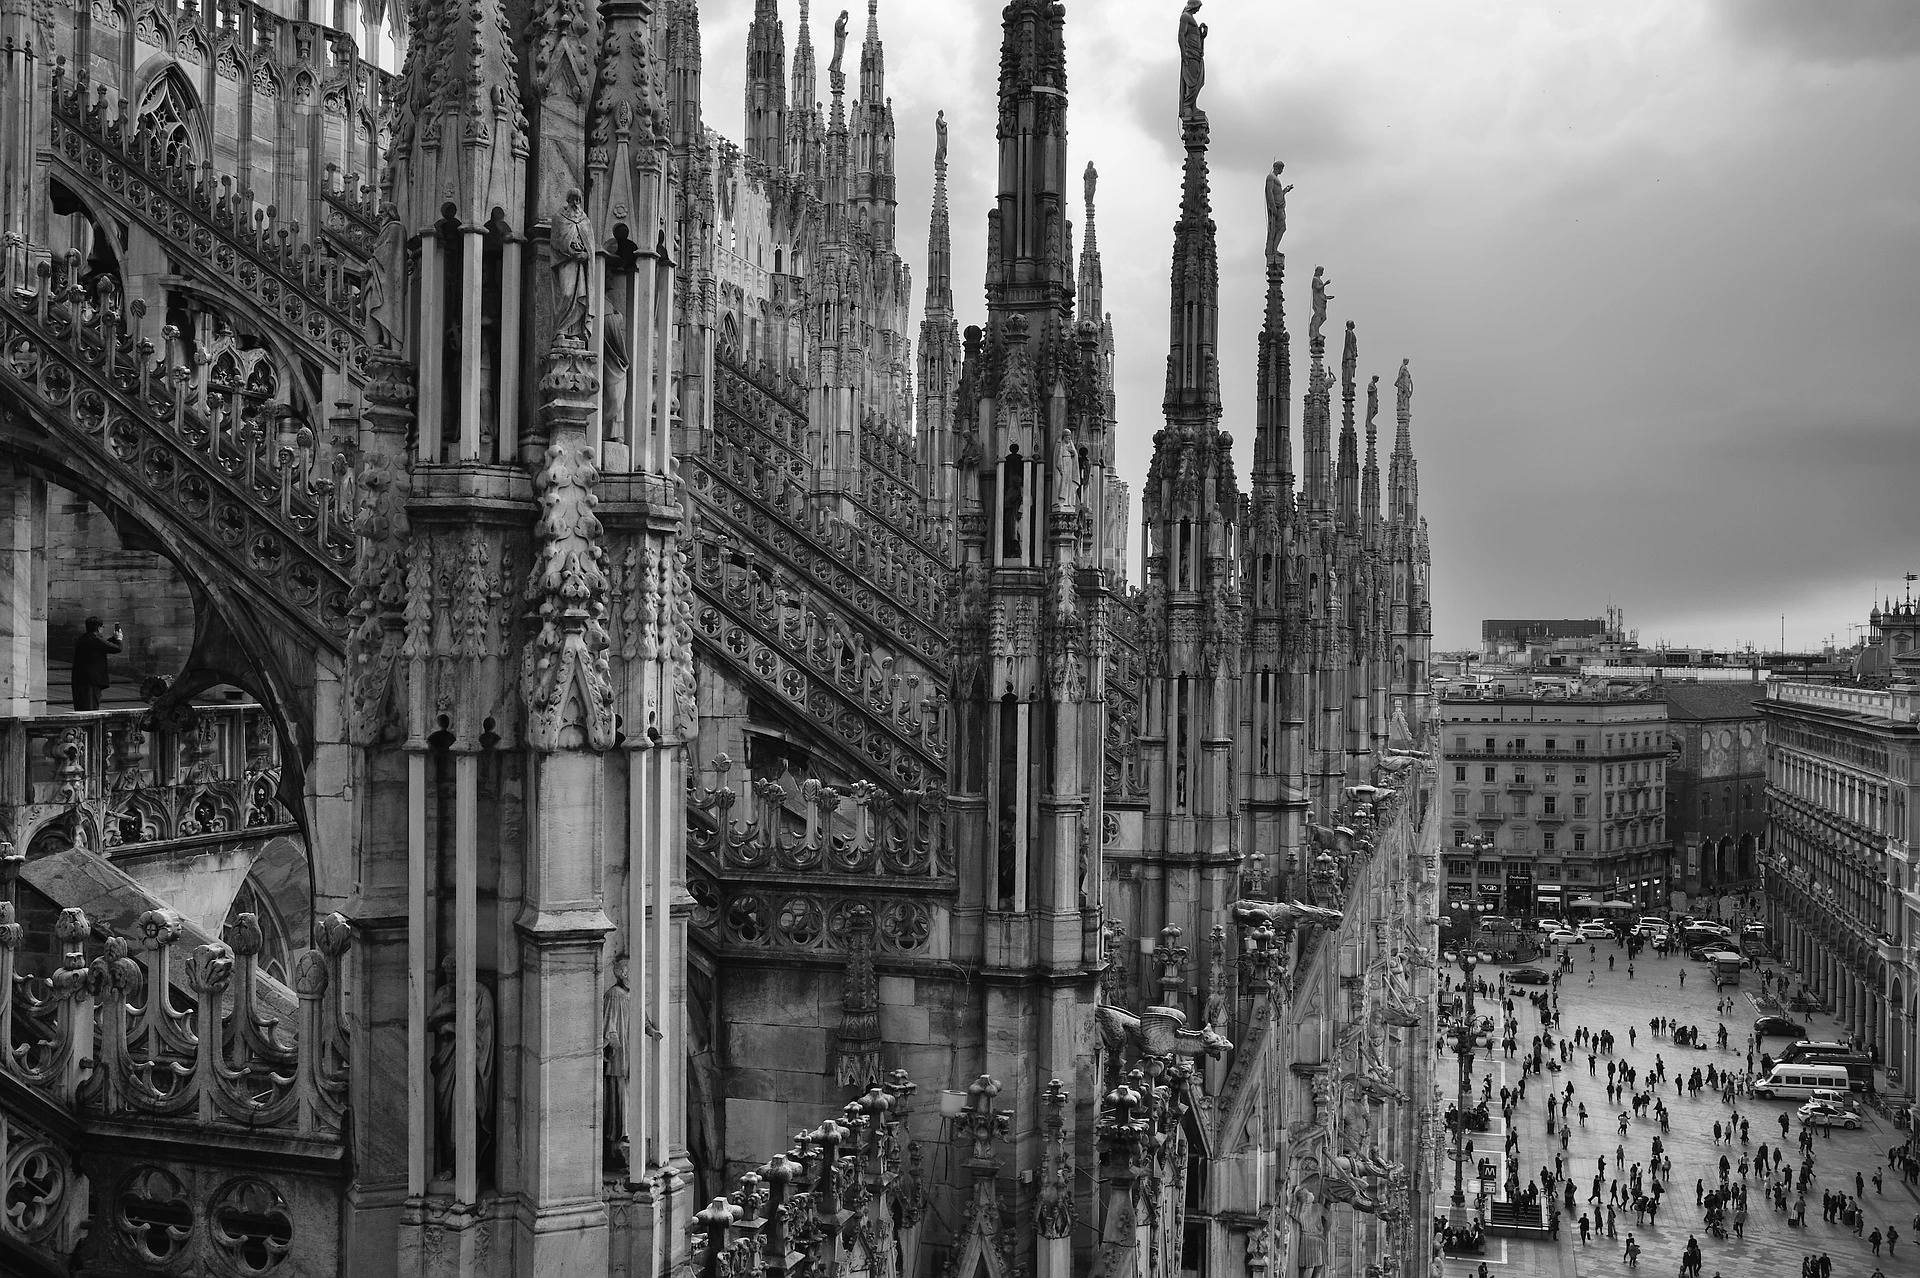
x,y
1464,1037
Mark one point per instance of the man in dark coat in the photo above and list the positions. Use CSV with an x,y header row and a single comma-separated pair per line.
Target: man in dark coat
x,y
90,663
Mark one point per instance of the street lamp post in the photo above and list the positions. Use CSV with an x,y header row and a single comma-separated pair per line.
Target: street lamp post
x,y
1467,914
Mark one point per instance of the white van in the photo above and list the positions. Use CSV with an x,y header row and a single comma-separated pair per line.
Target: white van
x,y
1831,1096
1801,1081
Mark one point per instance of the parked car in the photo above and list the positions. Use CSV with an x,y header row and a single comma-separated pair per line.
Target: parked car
x,y
1594,930
1768,1026
1528,976
1565,936
1819,1113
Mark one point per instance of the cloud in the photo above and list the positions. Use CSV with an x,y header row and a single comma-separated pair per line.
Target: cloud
x,y
1657,266
1830,31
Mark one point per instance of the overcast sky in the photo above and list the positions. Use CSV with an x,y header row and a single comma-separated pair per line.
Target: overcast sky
x,y
1656,263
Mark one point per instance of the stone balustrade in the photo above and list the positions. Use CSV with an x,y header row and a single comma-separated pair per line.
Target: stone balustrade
x,y
267,501
893,836
213,771
102,1036
315,296
753,477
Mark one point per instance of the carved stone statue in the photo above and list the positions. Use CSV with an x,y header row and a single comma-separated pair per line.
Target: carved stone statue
x,y
1373,400
387,285
1276,209
572,244
940,139
1088,181
1309,1231
839,43
440,1023
615,1015
614,364
1320,299
1404,385
1193,59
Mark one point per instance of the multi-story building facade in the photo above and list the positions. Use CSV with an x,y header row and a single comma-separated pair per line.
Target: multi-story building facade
x,y
1716,783
611,718
1843,782
1554,798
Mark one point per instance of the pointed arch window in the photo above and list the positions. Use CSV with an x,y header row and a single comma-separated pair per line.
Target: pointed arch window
x,y
170,104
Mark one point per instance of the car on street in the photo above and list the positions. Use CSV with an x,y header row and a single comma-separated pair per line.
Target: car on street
x,y
1594,930
1528,976
1565,936
1768,1026
1817,1113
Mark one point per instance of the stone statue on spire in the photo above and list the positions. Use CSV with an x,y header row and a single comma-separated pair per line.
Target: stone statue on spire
x,y
1276,209
1404,385
940,139
1320,299
1089,180
1193,59
1373,401
839,43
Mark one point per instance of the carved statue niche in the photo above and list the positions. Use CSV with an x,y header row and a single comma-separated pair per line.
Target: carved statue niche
x,y
572,244
440,1024
387,283
616,1011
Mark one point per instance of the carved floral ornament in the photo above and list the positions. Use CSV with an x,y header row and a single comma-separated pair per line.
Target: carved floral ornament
x,y
805,920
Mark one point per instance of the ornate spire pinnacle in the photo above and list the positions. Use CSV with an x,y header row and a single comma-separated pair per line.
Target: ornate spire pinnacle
x,y
462,138
806,92
1193,366
1027,265
873,60
1093,302
872,178
1348,481
1317,426
766,85
938,384
1403,474
1273,438
939,233
1370,471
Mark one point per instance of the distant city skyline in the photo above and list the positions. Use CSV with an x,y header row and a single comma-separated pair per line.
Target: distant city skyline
x,y
1657,268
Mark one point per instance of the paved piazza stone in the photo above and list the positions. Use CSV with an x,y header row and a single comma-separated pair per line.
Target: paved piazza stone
x,y
1771,1249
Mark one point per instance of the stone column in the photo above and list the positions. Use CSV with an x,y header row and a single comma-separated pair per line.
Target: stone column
x,y
23,612
562,1220
392,1112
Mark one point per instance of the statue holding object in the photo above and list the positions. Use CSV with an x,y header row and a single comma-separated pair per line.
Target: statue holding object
x,y
839,43
572,243
1276,209
1193,59
1320,299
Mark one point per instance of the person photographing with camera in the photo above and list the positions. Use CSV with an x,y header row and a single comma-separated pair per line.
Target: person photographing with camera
x,y
90,652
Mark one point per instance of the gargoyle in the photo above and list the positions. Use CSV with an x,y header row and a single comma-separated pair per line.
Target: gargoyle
x,y
1284,914
1159,1031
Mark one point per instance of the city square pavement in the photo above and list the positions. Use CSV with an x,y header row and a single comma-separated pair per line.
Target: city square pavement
x,y
1614,1001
